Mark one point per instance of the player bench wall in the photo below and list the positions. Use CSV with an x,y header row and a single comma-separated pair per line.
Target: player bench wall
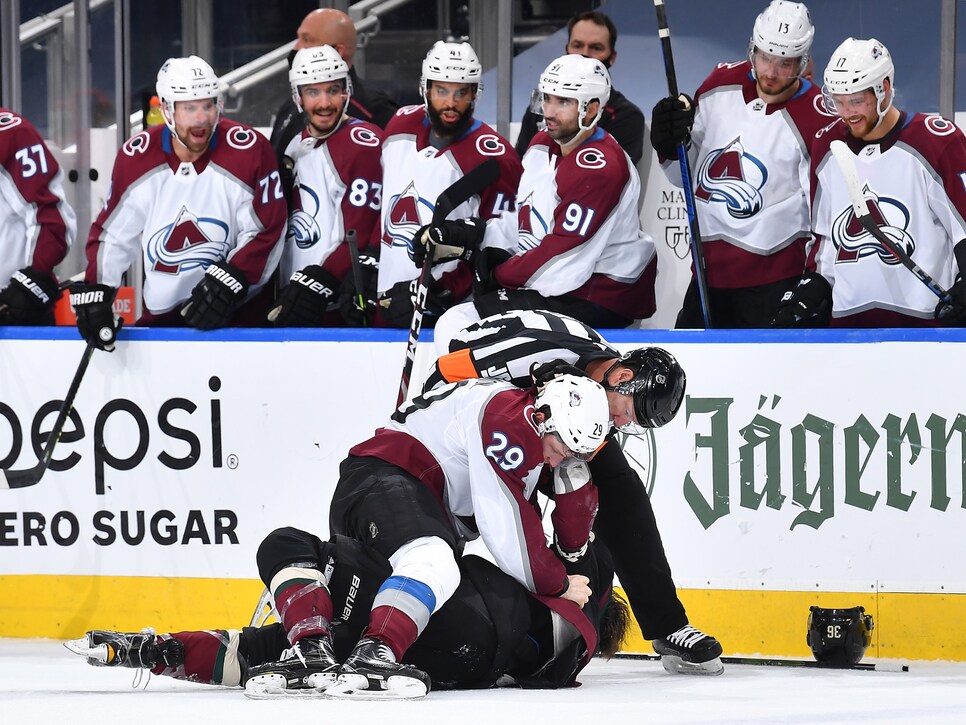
x,y
804,468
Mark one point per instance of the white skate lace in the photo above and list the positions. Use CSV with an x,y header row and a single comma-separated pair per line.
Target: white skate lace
x,y
139,672
293,652
686,637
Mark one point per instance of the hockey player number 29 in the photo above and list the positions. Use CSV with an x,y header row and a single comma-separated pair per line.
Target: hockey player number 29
x,y
577,219
505,458
28,164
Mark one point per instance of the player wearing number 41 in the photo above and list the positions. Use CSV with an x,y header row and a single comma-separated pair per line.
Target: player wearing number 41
x,y
338,188
748,132
199,198
425,150
37,225
910,168
575,244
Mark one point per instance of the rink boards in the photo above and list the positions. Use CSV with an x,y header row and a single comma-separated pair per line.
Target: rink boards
x,y
804,468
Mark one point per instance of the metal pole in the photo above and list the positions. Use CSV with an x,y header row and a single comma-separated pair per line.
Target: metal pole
x,y
10,56
947,60
122,69
82,116
504,66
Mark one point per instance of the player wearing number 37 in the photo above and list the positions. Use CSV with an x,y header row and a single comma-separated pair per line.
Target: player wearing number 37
x,y
199,198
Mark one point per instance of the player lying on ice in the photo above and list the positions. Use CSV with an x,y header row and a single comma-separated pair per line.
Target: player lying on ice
x,y
461,462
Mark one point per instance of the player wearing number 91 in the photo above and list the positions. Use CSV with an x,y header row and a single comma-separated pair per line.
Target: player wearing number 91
x,y
199,198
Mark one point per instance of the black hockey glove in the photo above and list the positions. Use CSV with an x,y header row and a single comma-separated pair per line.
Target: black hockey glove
x,y
485,262
671,122
398,302
543,373
809,304
358,307
953,313
94,306
303,301
29,298
216,298
451,239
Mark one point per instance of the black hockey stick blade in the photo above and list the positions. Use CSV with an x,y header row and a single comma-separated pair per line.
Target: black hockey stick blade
x,y
846,162
31,476
782,662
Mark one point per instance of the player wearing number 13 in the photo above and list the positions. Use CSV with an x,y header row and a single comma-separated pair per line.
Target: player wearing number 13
x,y
200,200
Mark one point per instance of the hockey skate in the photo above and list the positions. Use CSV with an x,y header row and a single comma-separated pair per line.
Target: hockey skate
x,y
372,673
103,648
689,651
305,670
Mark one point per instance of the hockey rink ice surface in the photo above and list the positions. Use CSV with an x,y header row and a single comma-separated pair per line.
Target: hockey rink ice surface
x,y
41,682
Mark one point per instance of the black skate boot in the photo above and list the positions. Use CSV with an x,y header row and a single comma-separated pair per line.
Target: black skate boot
x,y
103,648
372,673
306,670
689,651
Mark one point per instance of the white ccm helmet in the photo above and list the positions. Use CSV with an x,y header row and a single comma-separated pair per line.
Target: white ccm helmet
x,y
321,64
576,409
187,79
451,63
783,29
574,76
859,65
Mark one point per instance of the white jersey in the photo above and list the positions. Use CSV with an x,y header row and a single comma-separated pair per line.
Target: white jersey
x,y
476,446
415,174
182,217
37,225
912,181
338,187
750,166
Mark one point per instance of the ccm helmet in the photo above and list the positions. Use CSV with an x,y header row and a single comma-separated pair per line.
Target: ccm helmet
x,y
575,408
451,63
783,29
657,387
858,65
839,637
584,79
321,64
187,79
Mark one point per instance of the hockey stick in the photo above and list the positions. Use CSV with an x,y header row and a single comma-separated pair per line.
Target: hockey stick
x,y
778,662
31,476
697,250
350,239
264,610
471,183
846,163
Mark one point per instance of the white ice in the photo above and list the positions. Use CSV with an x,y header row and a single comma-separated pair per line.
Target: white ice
x,y
41,682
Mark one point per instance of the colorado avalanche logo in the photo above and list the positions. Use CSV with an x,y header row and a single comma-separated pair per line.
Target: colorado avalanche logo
x,y
9,120
303,229
187,243
853,242
732,176
528,218
403,218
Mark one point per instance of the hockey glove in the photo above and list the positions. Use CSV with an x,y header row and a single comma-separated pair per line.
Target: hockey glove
x,y
953,313
671,122
399,301
543,373
486,261
303,301
94,306
216,298
358,307
451,240
29,298
809,304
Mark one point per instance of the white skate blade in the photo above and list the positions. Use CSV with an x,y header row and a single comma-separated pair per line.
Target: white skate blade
x,y
273,687
678,666
82,647
356,687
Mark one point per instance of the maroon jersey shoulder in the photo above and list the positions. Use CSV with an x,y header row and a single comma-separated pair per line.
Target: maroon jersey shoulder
x,y
243,152
137,156
807,110
726,74
409,120
485,143
597,168
356,149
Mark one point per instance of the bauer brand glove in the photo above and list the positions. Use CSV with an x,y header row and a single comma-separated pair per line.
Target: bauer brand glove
x,y
29,298
303,301
216,298
94,306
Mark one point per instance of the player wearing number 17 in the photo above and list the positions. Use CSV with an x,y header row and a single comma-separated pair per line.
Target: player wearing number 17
x,y
200,200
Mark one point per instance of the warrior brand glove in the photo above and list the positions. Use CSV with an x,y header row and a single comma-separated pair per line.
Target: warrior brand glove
x,y
305,298
94,306
807,305
358,307
671,122
543,373
216,297
398,302
451,240
486,261
28,299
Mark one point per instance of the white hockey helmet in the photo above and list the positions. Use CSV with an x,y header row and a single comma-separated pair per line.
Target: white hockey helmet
x,y
584,79
451,63
321,64
576,409
859,65
783,29
187,79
